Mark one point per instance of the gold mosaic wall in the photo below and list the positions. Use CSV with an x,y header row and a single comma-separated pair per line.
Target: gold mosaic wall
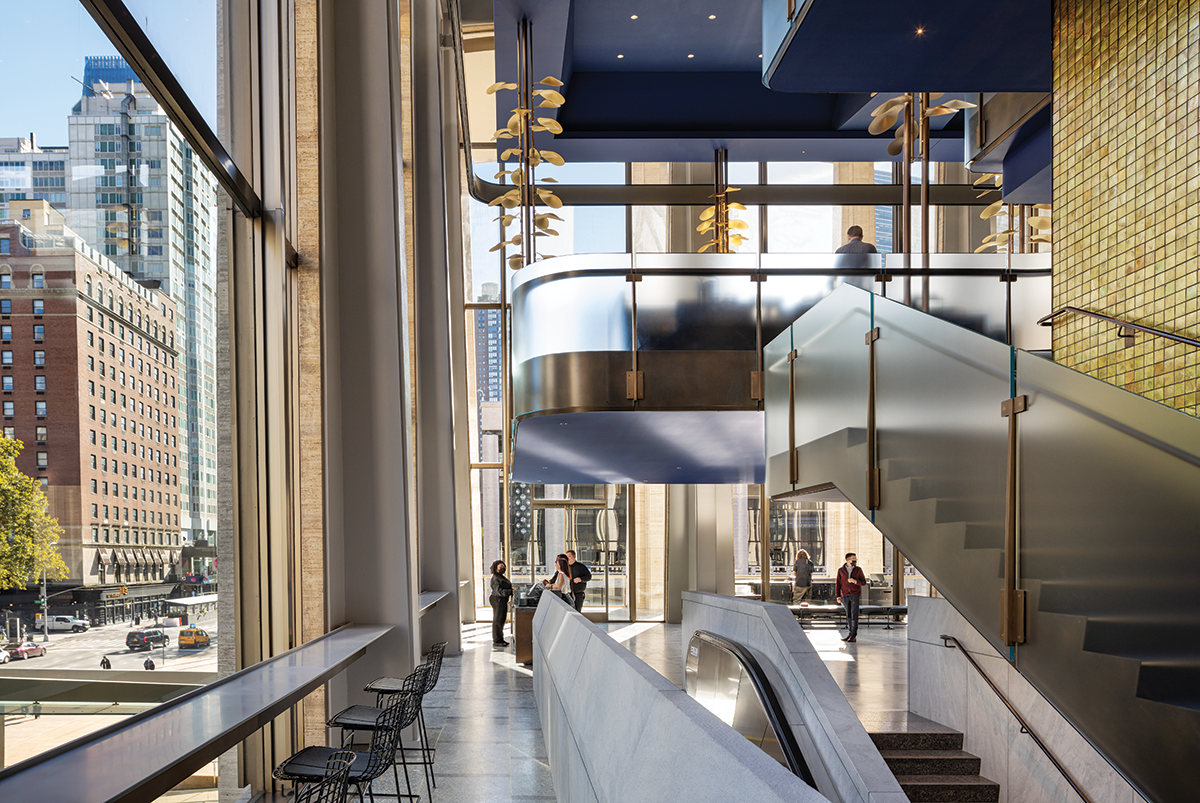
x,y
1127,190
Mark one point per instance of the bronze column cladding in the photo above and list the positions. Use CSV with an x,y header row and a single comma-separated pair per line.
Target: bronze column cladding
x,y
793,455
925,167
906,224
756,377
635,381
1012,601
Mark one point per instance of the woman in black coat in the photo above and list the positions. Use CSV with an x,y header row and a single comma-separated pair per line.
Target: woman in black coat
x,y
501,590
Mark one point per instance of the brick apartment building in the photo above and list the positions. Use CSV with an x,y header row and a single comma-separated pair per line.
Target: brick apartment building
x,y
88,382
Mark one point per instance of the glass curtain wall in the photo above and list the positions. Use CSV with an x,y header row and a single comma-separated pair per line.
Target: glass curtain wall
x,y
109,227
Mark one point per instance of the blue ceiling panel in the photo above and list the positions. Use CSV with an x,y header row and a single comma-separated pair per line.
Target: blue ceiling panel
x,y
641,447
683,79
1027,173
928,46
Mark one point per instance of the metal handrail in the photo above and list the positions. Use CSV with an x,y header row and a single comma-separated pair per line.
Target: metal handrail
x,y
1024,725
1049,320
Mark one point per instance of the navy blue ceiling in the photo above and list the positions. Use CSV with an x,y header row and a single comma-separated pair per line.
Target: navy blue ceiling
x,y
926,46
641,447
633,93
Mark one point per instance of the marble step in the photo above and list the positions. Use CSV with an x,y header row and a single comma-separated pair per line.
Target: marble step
x,y
931,762
949,788
904,730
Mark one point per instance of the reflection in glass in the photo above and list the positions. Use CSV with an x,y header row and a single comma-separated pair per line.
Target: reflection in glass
x,y
185,35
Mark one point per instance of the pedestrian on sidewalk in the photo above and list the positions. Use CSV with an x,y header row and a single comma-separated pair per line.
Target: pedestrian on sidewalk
x,y
149,663
105,663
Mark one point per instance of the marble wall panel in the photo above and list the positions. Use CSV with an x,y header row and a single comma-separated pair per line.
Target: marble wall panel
x,y
944,688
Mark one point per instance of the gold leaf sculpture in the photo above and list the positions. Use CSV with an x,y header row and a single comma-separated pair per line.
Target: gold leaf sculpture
x,y
526,194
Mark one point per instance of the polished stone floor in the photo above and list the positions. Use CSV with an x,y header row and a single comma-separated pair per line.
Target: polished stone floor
x,y
483,720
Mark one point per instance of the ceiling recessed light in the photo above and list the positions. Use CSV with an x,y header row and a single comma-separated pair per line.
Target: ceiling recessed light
x,y
712,16
620,55
691,55
920,31
633,16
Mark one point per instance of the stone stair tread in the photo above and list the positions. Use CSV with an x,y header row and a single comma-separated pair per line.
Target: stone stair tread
x,y
910,753
945,780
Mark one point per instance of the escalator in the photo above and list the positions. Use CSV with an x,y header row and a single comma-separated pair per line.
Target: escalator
x,y
727,680
902,413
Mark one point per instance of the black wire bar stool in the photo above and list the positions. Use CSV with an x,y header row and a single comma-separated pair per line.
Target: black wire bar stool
x,y
308,765
364,718
332,788
385,686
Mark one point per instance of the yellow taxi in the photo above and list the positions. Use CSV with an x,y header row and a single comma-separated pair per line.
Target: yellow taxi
x,y
193,637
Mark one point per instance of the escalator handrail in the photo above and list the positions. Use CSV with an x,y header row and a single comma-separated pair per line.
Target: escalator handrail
x,y
766,695
951,642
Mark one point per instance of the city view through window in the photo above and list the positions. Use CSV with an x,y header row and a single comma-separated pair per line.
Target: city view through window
x,y
108,297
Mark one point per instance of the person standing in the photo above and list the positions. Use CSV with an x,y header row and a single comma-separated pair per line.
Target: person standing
x,y
850,580
105,663
580,575
855,244
802,573
560,582
148,663
501,590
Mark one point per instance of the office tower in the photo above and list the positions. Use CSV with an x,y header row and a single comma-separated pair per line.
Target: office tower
x,y
139,194
88,382
29,172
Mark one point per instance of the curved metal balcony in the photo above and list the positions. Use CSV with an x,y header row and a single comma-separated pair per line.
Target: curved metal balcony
x,y
647,368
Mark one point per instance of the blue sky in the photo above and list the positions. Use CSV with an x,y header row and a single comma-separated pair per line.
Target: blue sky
x,y
43,44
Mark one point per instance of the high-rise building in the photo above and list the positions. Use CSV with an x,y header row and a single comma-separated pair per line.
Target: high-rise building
x,y
139,194
28,172
88,383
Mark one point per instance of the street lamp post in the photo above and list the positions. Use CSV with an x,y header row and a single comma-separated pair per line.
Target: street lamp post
x,y
45,610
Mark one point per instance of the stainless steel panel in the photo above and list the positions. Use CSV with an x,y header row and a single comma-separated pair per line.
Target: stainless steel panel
x,y
584,380
1109,534
582,313
697,380
943,451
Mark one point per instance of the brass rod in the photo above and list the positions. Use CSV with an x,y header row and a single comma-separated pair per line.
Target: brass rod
x,y
793,467
764,537
906,223
925,168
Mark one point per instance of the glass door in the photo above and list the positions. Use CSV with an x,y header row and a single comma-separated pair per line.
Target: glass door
x,y
592,521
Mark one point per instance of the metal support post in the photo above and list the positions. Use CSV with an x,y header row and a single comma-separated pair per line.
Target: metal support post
x,y
873,500
925,166
1012,601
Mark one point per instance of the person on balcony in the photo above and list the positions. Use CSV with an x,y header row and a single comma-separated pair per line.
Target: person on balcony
x,y
850,580
855,244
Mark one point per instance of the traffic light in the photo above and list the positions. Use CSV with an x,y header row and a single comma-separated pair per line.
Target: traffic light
x,y
124,591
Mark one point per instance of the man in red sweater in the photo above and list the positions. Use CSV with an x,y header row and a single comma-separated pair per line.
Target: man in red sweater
x,y
850,580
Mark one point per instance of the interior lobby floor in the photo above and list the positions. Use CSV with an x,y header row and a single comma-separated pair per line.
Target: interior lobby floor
x,y
872,672
483,719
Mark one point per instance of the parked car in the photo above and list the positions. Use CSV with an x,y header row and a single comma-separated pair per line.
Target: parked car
x,y
65,623
193,637
146,639
27,649
4,656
